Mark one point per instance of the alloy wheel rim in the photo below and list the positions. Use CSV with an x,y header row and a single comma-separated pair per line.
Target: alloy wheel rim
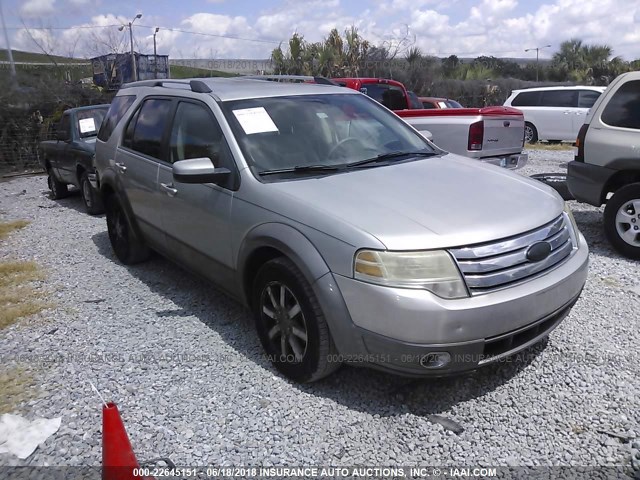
x,y
628,222
528,134
286,325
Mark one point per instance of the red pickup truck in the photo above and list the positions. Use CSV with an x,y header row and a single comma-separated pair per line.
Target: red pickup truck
x,y
491,134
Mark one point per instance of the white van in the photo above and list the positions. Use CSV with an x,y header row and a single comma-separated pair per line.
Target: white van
x,y
554,113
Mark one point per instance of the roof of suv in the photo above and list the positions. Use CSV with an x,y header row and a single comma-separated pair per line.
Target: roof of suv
x,y
239,88
562,87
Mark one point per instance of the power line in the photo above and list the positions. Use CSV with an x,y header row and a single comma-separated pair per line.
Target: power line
x,y
231,37
61,28
258,40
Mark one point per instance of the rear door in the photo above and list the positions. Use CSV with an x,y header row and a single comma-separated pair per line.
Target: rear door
x,y
614,132
137,162
196,217
556,114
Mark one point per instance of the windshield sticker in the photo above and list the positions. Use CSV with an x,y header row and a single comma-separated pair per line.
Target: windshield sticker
x,y
255,120
87,125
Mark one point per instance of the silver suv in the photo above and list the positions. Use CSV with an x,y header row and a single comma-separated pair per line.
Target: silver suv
x,y
350,237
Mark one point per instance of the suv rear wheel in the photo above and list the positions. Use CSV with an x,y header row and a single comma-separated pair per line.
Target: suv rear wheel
x,y
126,243
530,133
290,323
622,221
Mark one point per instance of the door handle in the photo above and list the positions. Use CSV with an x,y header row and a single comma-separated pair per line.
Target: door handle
x,y
121,167
169,189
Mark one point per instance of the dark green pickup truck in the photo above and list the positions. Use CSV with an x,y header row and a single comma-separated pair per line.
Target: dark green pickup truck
x,y
69,158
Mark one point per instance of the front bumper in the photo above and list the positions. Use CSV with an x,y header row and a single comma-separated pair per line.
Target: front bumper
x,y
511,162
403,330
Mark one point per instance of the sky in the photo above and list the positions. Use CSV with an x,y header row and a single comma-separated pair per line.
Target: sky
x,y
466,28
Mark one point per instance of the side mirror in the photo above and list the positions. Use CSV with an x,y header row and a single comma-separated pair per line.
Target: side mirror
x,y
62,135
199,170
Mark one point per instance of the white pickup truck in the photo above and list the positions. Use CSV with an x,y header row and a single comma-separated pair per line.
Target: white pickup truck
x,y
490,134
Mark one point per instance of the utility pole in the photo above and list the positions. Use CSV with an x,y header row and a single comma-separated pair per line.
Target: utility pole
x,y
155,54
537,49
133,57
12,65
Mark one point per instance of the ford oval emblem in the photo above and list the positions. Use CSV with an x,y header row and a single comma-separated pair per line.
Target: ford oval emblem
x,y
538,251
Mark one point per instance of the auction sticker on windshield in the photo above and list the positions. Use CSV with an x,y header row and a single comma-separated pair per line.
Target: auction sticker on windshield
x,y
255,120
87,125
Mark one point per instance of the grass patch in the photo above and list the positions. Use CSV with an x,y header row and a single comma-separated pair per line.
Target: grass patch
x,y
7,227
549,146
17,298
17,385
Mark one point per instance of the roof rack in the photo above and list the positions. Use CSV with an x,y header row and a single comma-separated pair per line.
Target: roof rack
x,y
197,86
292,79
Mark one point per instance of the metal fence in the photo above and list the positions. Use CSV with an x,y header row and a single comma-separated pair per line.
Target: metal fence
x,y
19,140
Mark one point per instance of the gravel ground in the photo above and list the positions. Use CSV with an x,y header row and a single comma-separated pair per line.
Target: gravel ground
x,y
185,366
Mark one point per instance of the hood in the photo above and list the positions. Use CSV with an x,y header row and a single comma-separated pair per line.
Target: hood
x,y
435,202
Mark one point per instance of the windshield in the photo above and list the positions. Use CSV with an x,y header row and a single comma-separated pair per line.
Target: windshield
x,y
89,121
279,133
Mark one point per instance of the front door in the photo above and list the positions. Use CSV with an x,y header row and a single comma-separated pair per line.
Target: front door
x,y
196,217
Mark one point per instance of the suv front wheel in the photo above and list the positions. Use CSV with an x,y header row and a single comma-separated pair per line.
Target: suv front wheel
x,y
290,323
622,221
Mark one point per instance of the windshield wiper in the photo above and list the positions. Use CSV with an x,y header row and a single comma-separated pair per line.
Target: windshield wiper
x,y
387,156
301,169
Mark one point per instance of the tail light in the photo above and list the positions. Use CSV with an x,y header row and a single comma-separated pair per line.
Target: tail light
x,y
582,134
476,136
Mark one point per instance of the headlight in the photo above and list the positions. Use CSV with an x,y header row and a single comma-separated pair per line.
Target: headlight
x,y
574,226
432,270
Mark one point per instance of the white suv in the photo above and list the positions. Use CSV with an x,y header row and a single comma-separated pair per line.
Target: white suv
x,y
554,113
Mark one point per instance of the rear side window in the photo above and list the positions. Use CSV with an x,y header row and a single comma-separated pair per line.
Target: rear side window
x,y
146,129
623,109
559,98
526,99
118,108
586,98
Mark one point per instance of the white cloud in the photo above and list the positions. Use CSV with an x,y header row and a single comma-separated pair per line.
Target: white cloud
x,y
442,27
37,8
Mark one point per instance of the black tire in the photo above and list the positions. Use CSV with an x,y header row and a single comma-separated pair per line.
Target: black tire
x,y
90,196
530,133
557,181
58,189
622,219
316,357
128,246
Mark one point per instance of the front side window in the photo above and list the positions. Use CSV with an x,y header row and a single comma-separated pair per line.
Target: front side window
x,y
586,98
145,130
318,130
117,109
623,109
196,134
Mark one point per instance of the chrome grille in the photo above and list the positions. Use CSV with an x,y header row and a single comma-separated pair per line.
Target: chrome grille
x,y
494,265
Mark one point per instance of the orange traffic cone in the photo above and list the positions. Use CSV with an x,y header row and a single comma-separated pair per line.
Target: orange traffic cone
x,y
118,459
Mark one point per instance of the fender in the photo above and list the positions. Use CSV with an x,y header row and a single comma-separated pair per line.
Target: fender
x,y
286,239
110,181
